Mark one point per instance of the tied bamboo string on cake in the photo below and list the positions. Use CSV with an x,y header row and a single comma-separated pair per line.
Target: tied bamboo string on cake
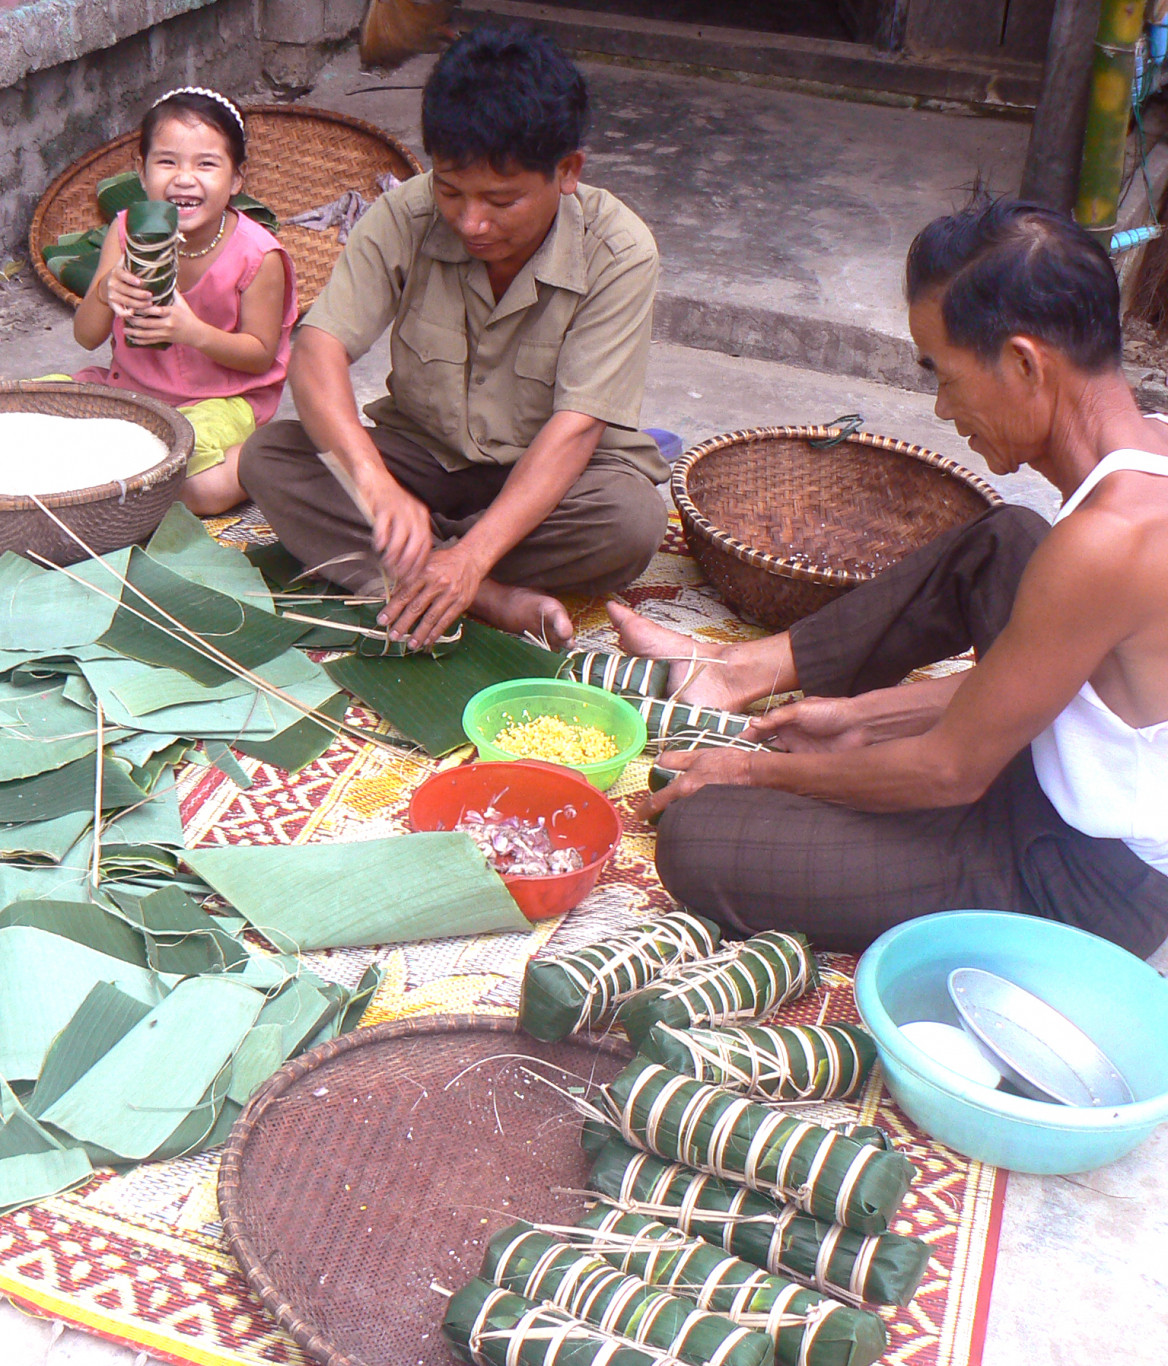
x,y
745,981
883,1268
821,1171
774,1062
575,990
151,253
583,1284
807,1327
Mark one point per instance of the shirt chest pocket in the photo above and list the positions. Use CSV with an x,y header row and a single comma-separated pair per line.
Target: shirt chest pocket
x,y
429,375
535,387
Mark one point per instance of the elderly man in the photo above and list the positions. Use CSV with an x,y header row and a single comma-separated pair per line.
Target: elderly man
x,y
505,465
1036,781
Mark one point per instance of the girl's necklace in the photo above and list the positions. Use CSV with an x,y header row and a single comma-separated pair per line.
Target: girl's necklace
x,y
210,247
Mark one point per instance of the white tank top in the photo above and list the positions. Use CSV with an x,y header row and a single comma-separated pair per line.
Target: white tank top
x,y
1104,777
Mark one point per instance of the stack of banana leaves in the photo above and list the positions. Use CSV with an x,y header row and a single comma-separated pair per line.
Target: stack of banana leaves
x,y
133,1022
72,258
672,725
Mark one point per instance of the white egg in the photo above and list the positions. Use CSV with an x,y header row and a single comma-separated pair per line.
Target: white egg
x,y
952,1048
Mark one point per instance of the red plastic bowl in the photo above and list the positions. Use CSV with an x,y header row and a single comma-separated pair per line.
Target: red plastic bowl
x,y
529,789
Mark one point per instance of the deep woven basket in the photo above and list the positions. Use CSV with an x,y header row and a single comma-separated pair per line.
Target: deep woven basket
x,y
298,159
380,1164
107,516
781,527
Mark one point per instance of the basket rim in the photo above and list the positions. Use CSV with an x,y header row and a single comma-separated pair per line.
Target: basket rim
x,y
174,462
77,168
781,566
286,1314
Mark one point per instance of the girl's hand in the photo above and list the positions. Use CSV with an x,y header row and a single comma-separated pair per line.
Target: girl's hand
x,y
174,323
123,293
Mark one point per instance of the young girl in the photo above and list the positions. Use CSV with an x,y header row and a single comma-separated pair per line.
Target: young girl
x,y
230,323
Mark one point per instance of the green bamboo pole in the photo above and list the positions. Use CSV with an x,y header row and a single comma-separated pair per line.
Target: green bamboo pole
x,y
1108,113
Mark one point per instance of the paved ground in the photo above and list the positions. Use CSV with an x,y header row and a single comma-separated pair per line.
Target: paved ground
x,y
783,220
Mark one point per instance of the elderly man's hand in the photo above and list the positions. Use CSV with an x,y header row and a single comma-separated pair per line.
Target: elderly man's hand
x,y
421,608
401,527
696,768
813,725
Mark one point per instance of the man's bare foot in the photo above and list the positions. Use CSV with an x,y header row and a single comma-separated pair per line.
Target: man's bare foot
x,y
517,610
727,677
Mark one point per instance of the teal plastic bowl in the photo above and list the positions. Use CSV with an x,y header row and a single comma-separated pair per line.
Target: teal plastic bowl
x,y
523,699
1114,997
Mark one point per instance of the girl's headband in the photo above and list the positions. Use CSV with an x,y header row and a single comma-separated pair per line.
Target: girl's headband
x,y
211,95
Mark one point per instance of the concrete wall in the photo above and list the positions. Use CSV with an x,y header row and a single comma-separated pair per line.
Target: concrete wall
x,y
74,73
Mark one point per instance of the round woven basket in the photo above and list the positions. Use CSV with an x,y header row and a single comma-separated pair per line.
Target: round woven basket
x,y
298,159
781,526
376,1168
107,516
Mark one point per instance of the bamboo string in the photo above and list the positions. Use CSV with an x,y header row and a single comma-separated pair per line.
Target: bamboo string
x,y
99,777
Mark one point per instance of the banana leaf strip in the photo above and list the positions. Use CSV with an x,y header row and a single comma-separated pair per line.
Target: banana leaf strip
x,y
69,788
299,744
584,1285
41,729
569,991
48,612
43,842
182,543
745,981
246,634
117,192
31,1177
133,1098
85,923
383,891
76,272
627,674
779,1062
103,1019
20,1133
493,1327
882,1269
806,1327
820,1170
43,980
424,697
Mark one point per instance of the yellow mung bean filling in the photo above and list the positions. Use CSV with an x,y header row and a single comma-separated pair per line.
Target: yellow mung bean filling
x,y
556,741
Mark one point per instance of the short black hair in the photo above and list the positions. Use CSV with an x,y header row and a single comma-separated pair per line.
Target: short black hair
x,y
1008,268
505,96
191,106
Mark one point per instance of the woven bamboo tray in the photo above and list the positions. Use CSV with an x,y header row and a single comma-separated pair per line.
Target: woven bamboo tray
x,y
381,1163
782,527
106,516
298,159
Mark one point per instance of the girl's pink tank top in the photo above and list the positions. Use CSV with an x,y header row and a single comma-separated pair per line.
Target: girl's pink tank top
x,y
180,374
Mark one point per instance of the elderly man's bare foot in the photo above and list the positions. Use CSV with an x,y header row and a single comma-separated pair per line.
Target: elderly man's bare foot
x,y
517,610
728,677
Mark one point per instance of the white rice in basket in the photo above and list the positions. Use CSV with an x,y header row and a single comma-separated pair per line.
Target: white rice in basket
x,y
40,453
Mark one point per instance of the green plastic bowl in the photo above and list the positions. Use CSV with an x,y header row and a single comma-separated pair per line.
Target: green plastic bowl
x,y
1117,999
524,699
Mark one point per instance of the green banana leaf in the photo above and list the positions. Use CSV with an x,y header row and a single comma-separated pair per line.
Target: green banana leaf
x,y
424,697
133,1098
182,543
297,745
118,192
77,272
248,635
35,1176
40,729
47,612
103,1019
383,891
32,1014
70,788
43,842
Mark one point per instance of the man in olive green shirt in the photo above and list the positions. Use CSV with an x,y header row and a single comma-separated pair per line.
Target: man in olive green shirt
x,y
505,464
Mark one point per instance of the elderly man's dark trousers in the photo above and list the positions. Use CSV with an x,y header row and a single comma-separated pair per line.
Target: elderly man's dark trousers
x,y
756,859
